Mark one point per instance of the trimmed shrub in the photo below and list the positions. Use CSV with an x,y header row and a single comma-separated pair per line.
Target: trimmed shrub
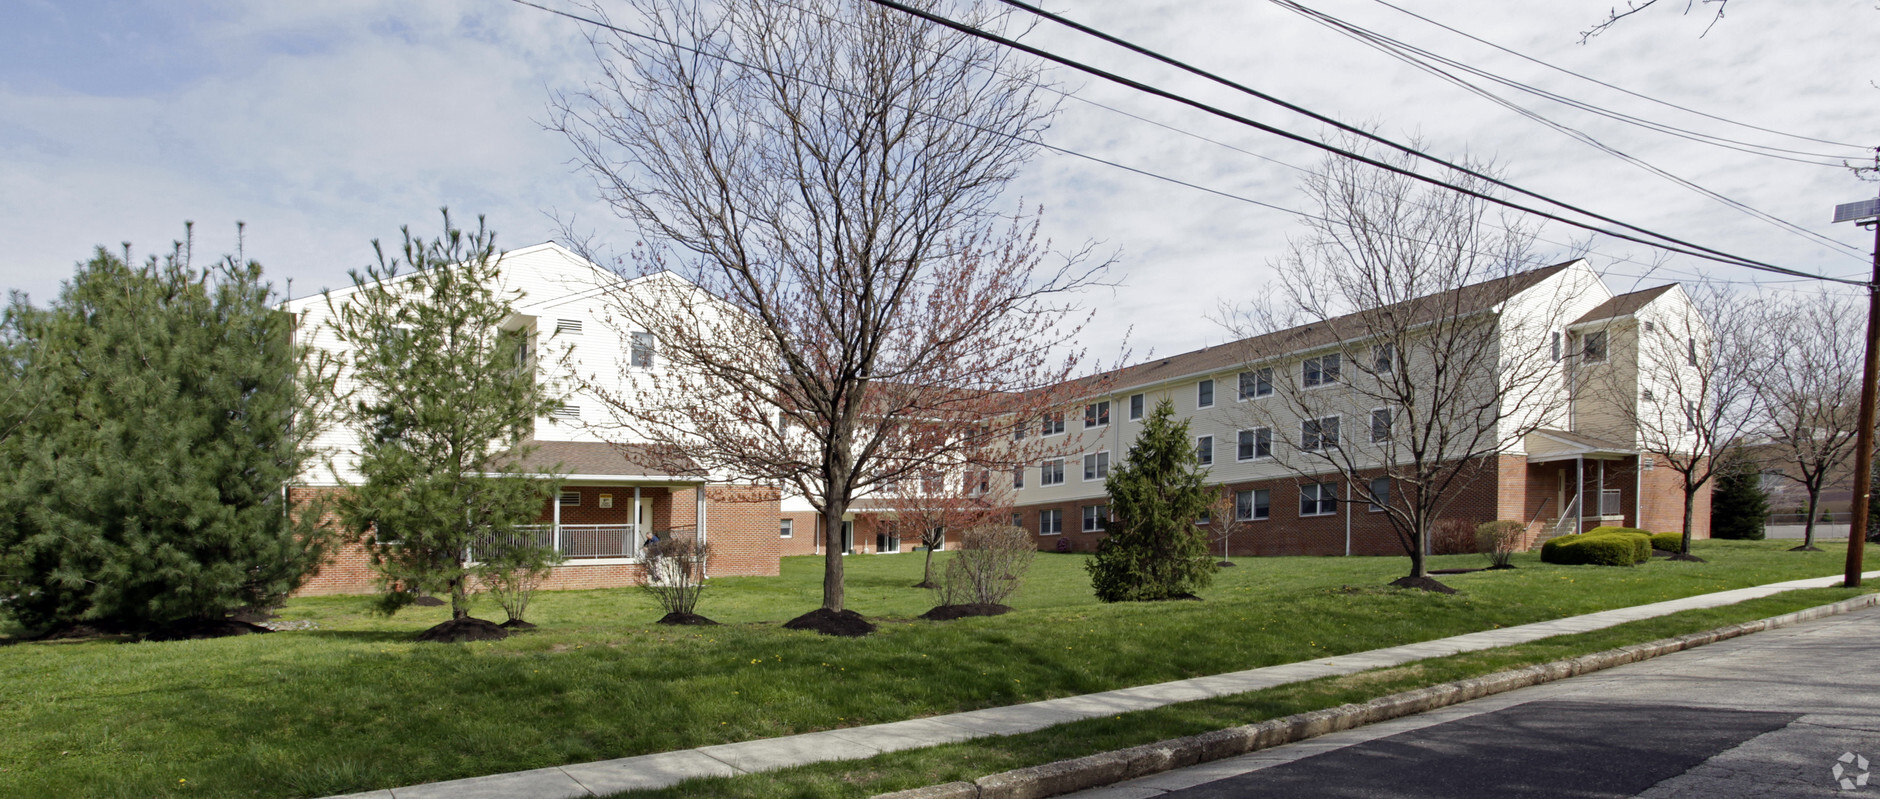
x,y
1595,550
1611,530
1669,542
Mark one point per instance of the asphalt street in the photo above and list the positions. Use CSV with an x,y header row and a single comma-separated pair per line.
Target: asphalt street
x,y
1769,716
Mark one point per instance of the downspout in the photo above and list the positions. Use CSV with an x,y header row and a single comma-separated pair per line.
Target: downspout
x,y
1348,492
1638,491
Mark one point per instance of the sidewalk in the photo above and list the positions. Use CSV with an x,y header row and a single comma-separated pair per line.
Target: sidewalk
x,y
606,777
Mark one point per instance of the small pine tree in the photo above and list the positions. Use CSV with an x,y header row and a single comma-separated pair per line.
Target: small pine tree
x,y
1738,508
441,409
154,417
1155,550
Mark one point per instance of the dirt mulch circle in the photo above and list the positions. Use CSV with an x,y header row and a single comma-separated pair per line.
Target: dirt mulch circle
x,y
1688,558
926,584
465,629
1455,571
428,602
196,629
951,612
847,623
1422,584
1500,567
690,619
517,625
1805,548
1226,563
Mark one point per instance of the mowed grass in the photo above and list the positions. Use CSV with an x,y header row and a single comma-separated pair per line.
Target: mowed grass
x,y
356,705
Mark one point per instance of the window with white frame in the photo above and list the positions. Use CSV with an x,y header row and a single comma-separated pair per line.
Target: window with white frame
x,y
1097,414
1321,371
1649,326
1136,401
1646,394
1204,394
1593,346
1096,518
1318,434
1018,520
1204,450
1318,499
1050,522
1256,383
1096,466
786,528
1556,337
1253,504
1691,356
1051,472
1053,423
1380,494
1380,425
1254,444
642,355
1384,358
1018,477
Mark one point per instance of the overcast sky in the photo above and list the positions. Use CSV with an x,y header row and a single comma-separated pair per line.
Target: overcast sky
x,y
326,125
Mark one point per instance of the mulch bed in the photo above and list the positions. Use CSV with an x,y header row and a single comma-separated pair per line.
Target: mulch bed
x,y
1690,558
951,612
692,619
514,625
1422,584
847,623
1805,548
1226,563
1455,571
464,629
428,602
195,629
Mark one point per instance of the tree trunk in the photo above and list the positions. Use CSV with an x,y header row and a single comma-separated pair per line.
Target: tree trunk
x,y
1690,502
832,553
459,599
926,572
1808,525
1418,567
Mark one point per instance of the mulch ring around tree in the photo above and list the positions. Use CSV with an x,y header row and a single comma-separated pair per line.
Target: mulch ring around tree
x,y
1805,548
1226,563
846,623
951,612
1455,571
1689,558
691,619
1422,584
195,629
464,629
427,602
517,625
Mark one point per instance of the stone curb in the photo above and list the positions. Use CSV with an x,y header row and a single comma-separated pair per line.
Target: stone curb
x,y
1109,768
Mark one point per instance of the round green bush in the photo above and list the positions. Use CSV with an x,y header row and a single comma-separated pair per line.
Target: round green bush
x,y
1597,550
1669,542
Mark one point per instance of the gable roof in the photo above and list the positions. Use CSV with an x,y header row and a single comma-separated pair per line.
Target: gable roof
x,y
1221,357
600,458
1624,304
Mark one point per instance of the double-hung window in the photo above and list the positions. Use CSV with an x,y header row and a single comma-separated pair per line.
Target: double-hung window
x,y
1204,450
1384,358
1380,425
1380,494
1318,499
1255,443
1018,477
1136,401
1321,371
1255,384
642,350
1318,434
1096,466
1593,346
1204,394
1051,473
1253,505
1096,518
1097,414
1050,522
1053,423
786,528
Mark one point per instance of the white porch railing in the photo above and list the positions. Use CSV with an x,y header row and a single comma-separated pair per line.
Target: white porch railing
x,y
575,541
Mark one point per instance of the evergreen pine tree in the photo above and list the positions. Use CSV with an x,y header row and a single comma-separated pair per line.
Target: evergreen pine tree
x,y
1154,549
152,423
441,407
1738,507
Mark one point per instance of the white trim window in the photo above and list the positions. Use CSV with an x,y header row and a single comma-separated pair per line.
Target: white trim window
x,y
1204,393
786,528
1254,444
1096,466
1380,425
1256,383
1593,347
1053,424
1321,371
642,353
1384,358
1051,472
1018,477
1097,414
1051,522
1253,505
1136,403
1380,494
1204,450
1556,337
1318,499
1096,518
1318,434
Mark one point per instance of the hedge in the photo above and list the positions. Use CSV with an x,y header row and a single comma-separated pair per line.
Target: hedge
x,y
1669,542
1611,549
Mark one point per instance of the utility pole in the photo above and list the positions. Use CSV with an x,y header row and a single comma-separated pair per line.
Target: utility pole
x,y
1865,213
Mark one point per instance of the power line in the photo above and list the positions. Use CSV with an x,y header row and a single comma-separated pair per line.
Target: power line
x,y
1413,56
1619,89
1682,246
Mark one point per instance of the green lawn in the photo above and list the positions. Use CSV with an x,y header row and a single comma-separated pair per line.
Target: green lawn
x,y
354,705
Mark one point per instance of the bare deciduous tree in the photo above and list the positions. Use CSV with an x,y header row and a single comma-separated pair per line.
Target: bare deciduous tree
x,y
989,566
932,511
829,171
1810,391
1385,354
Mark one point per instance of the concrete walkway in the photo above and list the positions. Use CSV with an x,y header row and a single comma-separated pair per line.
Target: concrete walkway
x,y
607,777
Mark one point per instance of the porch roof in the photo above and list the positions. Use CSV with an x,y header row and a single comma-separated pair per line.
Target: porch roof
x,y
599,460
1545,445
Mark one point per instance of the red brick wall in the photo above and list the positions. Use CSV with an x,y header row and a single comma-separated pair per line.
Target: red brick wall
x,y
741,524
804,535
1664,502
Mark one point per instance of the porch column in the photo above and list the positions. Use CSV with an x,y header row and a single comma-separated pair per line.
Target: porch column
x,y
699,526
637,539
1579,493
1602,490
557,517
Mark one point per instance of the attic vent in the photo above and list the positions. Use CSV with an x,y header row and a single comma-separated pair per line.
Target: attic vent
x,y
1649,327
569,326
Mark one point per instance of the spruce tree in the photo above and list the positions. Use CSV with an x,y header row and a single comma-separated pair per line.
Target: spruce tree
x,y
152,422
441,407
1154,549
1738,506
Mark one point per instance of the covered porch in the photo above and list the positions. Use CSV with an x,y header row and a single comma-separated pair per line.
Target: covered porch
x,y
612,502
1578,482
